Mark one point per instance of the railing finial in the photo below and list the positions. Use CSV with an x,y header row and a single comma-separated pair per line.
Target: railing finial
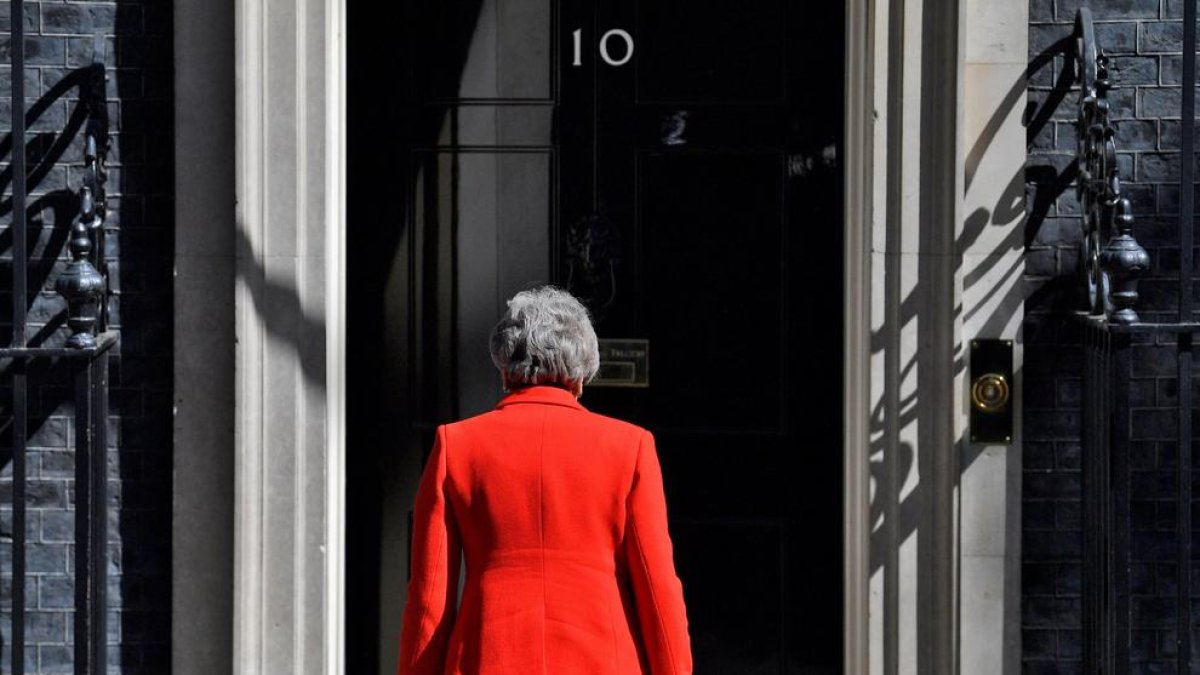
x,y
1110,258
1124,260
81,283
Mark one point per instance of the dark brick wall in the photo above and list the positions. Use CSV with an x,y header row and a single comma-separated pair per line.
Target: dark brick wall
x,y
140,255
1145,39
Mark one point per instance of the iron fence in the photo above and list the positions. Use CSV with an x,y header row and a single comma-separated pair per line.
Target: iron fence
x,y
1111,261
83,285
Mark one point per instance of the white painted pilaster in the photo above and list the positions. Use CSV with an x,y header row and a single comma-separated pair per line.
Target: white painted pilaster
x,y
921,516
289,325
991,276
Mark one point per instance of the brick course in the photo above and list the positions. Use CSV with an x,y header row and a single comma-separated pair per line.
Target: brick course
x,y
140,255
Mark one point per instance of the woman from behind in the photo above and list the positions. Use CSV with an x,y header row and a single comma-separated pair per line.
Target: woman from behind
x,y
560,515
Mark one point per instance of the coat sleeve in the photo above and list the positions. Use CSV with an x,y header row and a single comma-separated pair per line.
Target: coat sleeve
x,y
657,591
436,552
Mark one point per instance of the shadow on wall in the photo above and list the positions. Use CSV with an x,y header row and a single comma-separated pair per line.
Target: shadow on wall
x,y
140,217
896,515
278,305
1047,182
1013,204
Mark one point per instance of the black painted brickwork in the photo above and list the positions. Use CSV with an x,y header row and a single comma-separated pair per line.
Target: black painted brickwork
x,y
1145,39
140,255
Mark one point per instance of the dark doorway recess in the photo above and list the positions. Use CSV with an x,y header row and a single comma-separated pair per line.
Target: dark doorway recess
x,y
691,194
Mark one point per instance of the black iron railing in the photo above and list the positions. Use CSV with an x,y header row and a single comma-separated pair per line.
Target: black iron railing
x,y
1105,467
1111,261
83,285
1110,257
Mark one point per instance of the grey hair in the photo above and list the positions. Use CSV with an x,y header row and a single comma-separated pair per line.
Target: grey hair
x,y
545,337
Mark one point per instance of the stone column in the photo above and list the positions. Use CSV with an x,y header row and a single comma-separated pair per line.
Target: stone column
x,y
910,462
939,193
288,307
991,275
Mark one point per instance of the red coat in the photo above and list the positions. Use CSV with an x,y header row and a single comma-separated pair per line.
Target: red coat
x,y
561,516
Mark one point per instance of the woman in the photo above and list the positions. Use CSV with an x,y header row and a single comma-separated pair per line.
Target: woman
x,y
561,516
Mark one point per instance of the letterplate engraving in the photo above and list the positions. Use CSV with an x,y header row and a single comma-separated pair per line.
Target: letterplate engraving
x,y
623,363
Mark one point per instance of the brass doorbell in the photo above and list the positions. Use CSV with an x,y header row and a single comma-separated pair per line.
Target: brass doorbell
x,y
991,391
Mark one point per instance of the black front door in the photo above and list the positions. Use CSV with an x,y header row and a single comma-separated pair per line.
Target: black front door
x,y
677,166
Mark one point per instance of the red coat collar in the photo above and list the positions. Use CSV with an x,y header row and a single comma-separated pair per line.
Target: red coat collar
x,y
541,393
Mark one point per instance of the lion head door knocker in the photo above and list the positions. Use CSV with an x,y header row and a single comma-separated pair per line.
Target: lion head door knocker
x,y
593,254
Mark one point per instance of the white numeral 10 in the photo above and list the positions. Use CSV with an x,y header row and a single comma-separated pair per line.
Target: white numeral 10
x,y
577,38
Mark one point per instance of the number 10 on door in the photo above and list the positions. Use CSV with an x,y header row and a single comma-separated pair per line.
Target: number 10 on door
x,y
605,47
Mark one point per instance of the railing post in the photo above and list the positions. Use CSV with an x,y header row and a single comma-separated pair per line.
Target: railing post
x,y
19,271
91,515
1093,502
1183,510
1119,432
1183,610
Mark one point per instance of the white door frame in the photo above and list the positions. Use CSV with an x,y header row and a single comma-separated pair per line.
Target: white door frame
x,y
289,306
335,253
857,196
318,255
